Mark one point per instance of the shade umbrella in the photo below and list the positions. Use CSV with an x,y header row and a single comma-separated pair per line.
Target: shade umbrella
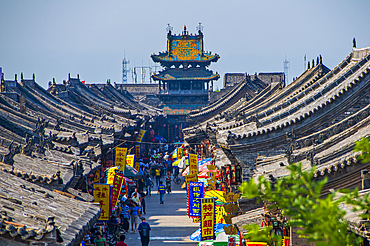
x,y
205,173
218,229
176,163
204,166
129,182
130,172
160,138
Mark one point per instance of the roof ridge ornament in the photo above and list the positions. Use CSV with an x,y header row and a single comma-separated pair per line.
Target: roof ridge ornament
x,y
200,27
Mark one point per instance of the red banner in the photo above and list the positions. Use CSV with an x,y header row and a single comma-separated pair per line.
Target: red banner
x,y
116,189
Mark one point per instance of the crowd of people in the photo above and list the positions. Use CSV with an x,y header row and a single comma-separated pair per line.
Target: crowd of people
x,y
131,208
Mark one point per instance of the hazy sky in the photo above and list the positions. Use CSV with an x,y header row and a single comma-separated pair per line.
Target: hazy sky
x,y
54,38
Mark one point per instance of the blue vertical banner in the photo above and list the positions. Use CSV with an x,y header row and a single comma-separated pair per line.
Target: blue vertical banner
x,y
196,192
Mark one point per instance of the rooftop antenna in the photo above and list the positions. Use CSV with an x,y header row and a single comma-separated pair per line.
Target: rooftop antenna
x,y
304,62
286,68
169,28
125,68
200,27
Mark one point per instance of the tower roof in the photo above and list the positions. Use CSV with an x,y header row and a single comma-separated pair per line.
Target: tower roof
x,y
185,48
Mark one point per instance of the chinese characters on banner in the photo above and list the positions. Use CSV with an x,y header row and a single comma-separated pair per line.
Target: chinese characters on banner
x,y
121,158
137,151
194,195
207,224
137,166
140,136
130,160
212,180
111,174
116,189
191,178
193,164
179,153
102,195
97,177
124,187
220,214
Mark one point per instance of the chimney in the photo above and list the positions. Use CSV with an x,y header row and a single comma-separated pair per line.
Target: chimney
x,y
365,176
21,76
33,77
78,76
15,77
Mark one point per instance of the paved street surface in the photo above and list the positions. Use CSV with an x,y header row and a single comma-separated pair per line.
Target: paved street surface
x,y
169,222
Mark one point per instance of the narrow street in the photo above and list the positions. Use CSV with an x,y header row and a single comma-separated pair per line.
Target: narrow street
x,y
169,222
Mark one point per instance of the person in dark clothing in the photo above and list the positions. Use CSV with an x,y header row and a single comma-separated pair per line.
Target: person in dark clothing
x,y
140,183
144,231
142,200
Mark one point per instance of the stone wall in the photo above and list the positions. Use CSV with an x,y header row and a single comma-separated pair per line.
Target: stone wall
x,y
231,79
214,96
139,90
269,78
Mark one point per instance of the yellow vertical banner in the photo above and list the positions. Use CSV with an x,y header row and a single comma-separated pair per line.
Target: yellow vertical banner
x,y
220,214
97,176
207,223
111,174
140,136
130,160
137,151
193,164
102,196
121,158
179,153
137,166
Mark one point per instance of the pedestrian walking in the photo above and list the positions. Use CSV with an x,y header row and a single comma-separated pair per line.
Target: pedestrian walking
x,y
142,201
157,176
135,214
161,192
144,231
148,183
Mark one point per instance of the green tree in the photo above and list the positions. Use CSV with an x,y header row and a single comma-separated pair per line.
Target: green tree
x,y
299,198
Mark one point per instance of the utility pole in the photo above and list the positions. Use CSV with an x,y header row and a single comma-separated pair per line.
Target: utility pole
x,y
286,68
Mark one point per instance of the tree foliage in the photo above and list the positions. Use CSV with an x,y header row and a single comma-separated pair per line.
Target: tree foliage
x,y
299,198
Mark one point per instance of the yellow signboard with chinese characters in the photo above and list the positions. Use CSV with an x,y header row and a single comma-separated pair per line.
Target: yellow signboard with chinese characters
x,y
185,49
130,160
220,214
140,136
111,174
212,180
97,176
191,178
121,158
179,153
137,151
137,166
102,196
207,224
193,164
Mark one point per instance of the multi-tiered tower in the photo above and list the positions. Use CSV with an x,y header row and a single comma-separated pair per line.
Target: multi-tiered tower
x,y
185,80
